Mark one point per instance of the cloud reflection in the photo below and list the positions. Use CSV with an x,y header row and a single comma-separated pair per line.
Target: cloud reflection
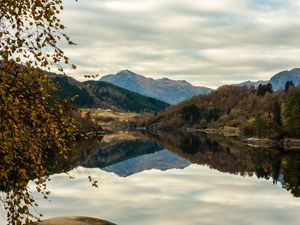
x,y
195,195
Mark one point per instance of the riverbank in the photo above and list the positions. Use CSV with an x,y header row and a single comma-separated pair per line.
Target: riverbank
x,y
74,221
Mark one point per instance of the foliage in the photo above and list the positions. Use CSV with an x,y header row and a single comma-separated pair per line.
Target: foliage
x,y
273,114
32,123
30,32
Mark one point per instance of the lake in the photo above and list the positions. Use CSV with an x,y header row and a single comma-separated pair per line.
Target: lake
x,y
178,179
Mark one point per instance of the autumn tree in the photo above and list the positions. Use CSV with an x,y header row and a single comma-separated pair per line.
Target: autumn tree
x,y
33,125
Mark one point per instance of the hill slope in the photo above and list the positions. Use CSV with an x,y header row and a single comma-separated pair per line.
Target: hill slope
x,y
166,90
98,94
272,114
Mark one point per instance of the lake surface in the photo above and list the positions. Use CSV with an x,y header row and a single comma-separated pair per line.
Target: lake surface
x,y
178,180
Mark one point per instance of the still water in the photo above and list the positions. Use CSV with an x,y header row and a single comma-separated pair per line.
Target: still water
x,y
178,180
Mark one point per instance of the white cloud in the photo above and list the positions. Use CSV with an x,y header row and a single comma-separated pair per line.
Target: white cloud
x,y
208,42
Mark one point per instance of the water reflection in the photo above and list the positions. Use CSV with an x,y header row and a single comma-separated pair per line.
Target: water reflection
x,y
167,151
177,179
195,195
162,160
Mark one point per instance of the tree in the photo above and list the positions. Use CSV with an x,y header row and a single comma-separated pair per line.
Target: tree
x,y
213,114
277,121
191,113
264,88
33,125
259,123
291,113
277,113
288,84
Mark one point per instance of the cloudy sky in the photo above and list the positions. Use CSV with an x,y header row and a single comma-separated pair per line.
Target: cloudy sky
x,y
206,42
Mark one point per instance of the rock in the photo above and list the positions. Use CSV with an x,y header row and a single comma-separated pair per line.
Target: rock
x,y
75,220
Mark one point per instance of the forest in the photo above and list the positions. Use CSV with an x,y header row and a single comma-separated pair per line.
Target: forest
x,y
254,111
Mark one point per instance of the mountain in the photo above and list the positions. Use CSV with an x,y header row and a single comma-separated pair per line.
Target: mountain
x,y
127,157
99,94
279,80
166,90
105,154
162,160
253,83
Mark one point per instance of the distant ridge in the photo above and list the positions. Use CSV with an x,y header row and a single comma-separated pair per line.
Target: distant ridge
x,y
164,89
279,80
253,83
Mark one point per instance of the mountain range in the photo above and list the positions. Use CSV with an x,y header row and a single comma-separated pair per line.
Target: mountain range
x,y
128,91
98,94
169,91
279,80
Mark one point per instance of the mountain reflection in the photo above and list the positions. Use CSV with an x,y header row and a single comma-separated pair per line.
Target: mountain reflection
x,y
167,151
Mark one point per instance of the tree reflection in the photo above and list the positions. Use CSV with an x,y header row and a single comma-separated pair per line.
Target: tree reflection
x,y
231,155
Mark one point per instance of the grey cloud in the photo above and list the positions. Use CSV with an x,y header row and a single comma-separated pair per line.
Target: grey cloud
x,y
197,41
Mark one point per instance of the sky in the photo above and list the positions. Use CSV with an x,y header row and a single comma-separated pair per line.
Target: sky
x,y
206,42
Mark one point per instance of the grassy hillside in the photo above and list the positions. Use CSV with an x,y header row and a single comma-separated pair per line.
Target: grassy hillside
x,y
111,121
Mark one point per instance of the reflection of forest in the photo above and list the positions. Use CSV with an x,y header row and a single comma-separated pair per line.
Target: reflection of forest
x,y
227,155
232,156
